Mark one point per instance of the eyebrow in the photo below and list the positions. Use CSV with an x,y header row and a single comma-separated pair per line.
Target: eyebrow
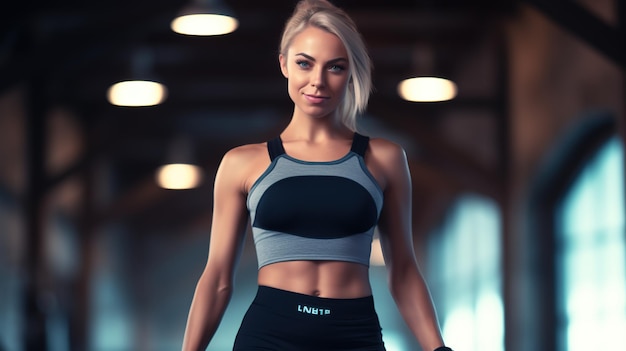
x,y
309,57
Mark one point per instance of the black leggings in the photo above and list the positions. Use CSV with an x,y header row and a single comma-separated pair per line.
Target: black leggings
x,y
280,320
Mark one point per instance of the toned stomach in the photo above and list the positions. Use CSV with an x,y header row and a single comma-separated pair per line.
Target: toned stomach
x,y
330,279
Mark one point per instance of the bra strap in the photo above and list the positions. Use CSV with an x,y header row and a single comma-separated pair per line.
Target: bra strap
x,y
275,148
359,144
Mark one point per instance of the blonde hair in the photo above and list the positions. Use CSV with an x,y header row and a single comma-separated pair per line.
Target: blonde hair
x,y
326,16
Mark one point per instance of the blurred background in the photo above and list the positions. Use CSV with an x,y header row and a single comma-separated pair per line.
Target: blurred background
x,y
518,172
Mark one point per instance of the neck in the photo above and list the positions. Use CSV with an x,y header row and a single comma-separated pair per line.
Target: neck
x,y
315,128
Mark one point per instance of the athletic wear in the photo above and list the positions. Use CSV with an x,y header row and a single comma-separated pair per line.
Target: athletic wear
x,y
302,210
280,320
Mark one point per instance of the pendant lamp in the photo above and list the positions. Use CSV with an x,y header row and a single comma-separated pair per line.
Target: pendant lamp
x,y
426,86
142,87
205,17
179,171
427,89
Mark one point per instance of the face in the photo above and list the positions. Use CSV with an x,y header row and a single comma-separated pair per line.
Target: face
x,y
316,67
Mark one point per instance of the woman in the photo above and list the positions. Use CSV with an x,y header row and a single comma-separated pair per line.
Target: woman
x,y
314,196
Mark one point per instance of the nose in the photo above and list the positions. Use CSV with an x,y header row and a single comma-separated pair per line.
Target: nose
x,y
318,78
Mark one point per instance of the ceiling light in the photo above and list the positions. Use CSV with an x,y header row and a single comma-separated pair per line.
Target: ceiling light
x,y
427,89
179,171
205,17
142,88
137,93
426,84
179,176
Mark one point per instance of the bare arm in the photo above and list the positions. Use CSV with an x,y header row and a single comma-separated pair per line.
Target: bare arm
x,y
406,282
214,288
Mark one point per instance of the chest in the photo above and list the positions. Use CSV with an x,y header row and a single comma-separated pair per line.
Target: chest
x,y
317,201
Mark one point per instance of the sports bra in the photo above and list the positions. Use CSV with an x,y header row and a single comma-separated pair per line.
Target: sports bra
x,y
305,210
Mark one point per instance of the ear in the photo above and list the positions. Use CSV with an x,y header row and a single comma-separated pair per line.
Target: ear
x,y
283,65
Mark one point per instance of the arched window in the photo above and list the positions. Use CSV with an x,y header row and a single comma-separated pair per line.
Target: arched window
x,y
466,278
590,258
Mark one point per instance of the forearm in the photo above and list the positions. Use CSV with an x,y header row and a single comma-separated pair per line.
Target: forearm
x,y
415,304
207,308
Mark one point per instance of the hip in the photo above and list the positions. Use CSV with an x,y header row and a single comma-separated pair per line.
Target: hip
x,y
284,320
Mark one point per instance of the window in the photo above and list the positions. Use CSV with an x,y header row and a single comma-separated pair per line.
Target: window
x,y
591,267
466,276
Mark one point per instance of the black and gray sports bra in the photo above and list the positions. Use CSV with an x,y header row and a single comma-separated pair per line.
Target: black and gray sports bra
x,y
302,210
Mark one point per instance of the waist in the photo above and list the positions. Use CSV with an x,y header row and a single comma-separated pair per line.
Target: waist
x,y
273,247
292,304
331,279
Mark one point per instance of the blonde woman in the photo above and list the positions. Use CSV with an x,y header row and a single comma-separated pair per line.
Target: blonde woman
x,y
314,195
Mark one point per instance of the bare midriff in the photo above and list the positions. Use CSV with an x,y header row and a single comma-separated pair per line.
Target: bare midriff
x,y
329,279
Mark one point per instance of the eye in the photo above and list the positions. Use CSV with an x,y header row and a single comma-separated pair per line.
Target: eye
x,y
303,64
337,68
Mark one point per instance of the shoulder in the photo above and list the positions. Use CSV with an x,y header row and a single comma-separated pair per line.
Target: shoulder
x,y
244,154
387,162
242,165
387,152
236,162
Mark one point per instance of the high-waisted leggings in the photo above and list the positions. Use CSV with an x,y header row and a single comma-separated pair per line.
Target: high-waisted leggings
x,y
280,320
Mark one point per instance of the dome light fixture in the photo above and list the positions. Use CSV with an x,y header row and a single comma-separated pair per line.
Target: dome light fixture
x,y
427,89
179,171
179,176
142,88
426,84
205,18
134,93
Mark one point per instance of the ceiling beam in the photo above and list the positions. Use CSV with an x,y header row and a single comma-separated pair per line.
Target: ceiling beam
x,y
575,19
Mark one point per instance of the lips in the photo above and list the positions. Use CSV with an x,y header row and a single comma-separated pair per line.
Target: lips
x,y
315,99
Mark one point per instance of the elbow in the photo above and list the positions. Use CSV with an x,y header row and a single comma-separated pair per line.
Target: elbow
x,y
225,289
217,283
396,287
396,283
403,277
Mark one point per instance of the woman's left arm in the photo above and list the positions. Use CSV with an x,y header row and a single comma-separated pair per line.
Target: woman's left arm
x,y
406,282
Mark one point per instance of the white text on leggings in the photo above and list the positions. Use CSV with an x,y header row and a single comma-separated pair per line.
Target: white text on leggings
x,y
313,310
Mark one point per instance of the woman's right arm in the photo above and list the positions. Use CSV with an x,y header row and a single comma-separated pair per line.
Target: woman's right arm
x,y
214,288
